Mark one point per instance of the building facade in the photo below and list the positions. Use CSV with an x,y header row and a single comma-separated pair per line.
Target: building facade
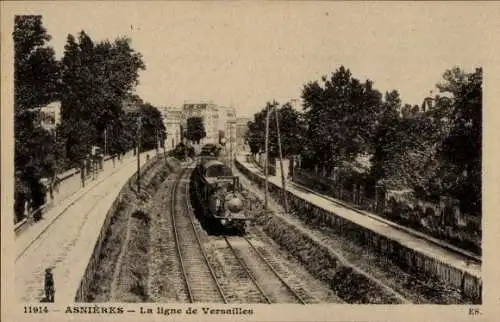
x,y
209,114
172,119
241,131
227,124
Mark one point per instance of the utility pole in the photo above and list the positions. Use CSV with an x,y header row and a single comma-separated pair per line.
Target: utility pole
x,y
267,161
139,124
231,142
285,203
164,146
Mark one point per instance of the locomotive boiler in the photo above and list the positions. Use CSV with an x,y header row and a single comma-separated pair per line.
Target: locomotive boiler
x,y
218,192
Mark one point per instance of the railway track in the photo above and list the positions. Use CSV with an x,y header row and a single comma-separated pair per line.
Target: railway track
x,y
469,256
271,285
240,273
200,281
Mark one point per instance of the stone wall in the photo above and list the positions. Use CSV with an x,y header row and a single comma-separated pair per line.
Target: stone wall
x,y
443,221
408,259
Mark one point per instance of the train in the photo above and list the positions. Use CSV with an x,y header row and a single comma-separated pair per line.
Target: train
x,y
218,192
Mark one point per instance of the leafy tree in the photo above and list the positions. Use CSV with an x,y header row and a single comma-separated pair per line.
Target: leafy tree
x,y
35,84
152,126
461,150
291,126
96,78
255,135
35,67
404,156
341,118
385,143
195,129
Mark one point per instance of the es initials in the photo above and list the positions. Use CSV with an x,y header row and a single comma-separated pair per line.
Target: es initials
x,y
474,311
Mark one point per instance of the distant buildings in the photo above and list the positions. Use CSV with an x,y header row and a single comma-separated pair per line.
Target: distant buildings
x,y
227,124
215,118
208,112
172,119
241,130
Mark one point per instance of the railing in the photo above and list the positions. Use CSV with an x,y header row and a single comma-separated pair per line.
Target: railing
x,y
428,218
399,250
36,214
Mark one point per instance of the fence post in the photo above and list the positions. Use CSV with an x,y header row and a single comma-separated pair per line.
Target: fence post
x,y
361,194
379,198
341,193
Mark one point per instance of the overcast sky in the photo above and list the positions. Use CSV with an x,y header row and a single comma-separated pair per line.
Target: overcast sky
x,y
244,54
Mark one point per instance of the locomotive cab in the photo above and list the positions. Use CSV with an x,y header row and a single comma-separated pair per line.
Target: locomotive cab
x,y
220,193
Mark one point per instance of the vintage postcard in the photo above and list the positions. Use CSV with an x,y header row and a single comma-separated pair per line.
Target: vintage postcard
x,y
250,161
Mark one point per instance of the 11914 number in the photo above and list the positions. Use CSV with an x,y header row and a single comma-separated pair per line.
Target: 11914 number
x,y
35,309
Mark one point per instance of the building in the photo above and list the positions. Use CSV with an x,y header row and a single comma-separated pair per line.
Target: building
x,y
216,119
241,131
49,116
172,119
210,115
227,124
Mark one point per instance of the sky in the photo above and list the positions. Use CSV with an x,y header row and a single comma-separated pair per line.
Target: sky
x,y
244,54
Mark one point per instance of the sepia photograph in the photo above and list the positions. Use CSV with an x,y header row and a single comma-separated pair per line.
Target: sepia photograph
x,y
165,155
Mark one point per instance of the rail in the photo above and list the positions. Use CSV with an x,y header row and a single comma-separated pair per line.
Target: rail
x,y
247,270
290,289
178,247
469,255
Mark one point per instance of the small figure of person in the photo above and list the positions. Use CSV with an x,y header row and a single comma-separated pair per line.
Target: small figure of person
x,y
49,285
51,187
55,183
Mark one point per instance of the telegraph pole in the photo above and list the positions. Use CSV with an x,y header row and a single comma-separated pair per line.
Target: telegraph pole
x,y
231,142
164,146
267,161
281,162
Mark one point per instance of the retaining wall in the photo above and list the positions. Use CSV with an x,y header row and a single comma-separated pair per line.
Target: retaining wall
x,y
81,294
409,259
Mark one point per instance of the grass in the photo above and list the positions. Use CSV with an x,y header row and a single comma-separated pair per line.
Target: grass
x,y
114,238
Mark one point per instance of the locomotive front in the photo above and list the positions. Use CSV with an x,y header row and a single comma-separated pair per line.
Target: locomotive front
x,y
226,205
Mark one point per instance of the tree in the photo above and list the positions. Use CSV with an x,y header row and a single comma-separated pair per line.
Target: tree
x,y
36,70
341,118
256,132
461,150
36,75
152,126
291,125
384,140
97,78
195,129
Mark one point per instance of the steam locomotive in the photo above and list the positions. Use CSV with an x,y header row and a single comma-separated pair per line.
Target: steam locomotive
x,y
218,193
